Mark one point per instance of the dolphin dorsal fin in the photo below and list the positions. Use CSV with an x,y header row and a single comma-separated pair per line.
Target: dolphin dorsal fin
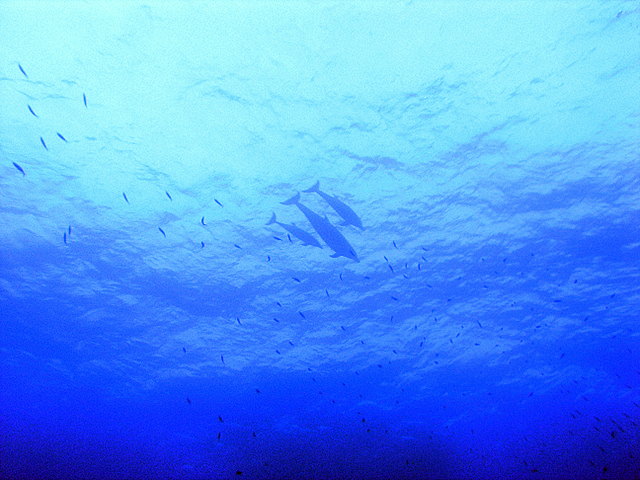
x,y
293,200
315,188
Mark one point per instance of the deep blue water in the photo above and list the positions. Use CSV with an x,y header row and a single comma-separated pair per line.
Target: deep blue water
x,y
154,326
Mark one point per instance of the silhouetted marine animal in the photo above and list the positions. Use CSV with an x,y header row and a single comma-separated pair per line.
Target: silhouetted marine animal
x,y
326,230
306,238
348,215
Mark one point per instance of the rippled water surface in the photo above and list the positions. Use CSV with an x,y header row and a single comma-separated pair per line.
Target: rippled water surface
x,y
458,298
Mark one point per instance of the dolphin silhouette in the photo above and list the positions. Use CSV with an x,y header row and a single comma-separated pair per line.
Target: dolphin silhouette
x,y
327,232
306,238
348,215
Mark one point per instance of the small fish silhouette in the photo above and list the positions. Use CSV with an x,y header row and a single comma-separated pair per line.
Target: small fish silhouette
x,y
19,168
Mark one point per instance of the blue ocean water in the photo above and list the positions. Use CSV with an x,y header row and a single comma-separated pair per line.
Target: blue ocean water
x,y
157,320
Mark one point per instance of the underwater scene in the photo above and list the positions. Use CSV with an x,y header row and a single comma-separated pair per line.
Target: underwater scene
x,y
320,240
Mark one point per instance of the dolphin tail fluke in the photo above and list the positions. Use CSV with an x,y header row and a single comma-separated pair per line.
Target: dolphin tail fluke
x,y
293,200
272,220
315,188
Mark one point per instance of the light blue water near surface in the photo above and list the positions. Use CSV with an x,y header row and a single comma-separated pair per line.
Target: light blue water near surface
x,y
490,327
